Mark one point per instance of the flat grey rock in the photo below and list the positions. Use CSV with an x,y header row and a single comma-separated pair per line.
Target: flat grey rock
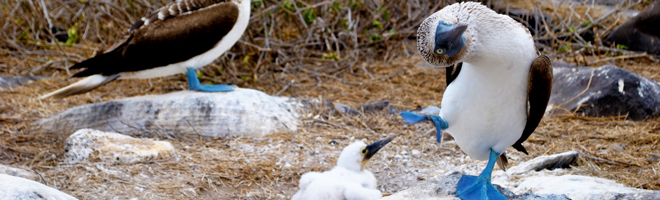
x,y
12,187
561,160
98,146
613,92
243,112
15,81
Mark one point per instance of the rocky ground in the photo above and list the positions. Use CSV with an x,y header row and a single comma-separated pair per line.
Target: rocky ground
x,y
269,166
617,146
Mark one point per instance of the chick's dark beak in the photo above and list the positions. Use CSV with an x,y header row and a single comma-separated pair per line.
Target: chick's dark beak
x,y
373,148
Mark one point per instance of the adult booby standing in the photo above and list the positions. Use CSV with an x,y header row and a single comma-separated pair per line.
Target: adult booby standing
x,y
500,93
347,180
180,37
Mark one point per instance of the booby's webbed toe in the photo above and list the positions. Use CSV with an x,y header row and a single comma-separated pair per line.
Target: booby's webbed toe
x,y
480,187
412,118
474,187
194,84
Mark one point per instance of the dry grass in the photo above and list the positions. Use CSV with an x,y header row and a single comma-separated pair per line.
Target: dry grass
x,y
288,60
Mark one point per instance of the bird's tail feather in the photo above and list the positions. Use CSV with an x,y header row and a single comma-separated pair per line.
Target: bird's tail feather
x,y
81,86
93,65
502,161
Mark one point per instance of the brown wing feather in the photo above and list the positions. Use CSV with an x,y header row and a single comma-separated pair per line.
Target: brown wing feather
x,y
538,95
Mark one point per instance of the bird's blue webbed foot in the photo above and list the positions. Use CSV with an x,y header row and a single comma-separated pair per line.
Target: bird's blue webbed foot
x,y
193,84
479,187
413,118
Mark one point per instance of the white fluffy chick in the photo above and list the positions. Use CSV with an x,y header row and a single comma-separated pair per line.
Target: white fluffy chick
x,y
348,180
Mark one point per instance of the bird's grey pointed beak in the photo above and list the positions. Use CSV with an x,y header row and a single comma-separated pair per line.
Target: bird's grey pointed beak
x,y
374,147
457,32
455,35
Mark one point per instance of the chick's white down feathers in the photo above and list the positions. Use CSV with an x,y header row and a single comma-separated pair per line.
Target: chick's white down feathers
x,y
344,181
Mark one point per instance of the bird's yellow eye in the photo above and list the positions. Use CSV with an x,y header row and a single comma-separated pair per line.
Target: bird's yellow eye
x,y
364,151
439,51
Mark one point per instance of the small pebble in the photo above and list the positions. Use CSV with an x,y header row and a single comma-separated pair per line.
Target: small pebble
x,y
616,147
654,157
415,152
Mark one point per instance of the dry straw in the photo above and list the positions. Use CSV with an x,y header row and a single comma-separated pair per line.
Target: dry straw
x,y
353,52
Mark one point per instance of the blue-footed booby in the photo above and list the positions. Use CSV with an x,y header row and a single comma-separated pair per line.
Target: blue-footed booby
x,y
498,94
179,37
347,180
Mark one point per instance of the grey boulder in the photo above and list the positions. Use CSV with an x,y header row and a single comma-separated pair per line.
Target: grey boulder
x,y
641,33
612,92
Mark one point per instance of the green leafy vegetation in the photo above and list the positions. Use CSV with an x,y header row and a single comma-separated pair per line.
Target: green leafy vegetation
x,y
309,15
73,35
355,4
622,47
377,23
331,56
564,48
257,4
288,6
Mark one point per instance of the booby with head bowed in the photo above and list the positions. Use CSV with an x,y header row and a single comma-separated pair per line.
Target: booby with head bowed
x,y
498,94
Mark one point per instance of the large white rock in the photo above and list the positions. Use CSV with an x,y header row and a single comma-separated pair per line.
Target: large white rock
x,y
244,112
583,187
12,187
93,145
19,173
